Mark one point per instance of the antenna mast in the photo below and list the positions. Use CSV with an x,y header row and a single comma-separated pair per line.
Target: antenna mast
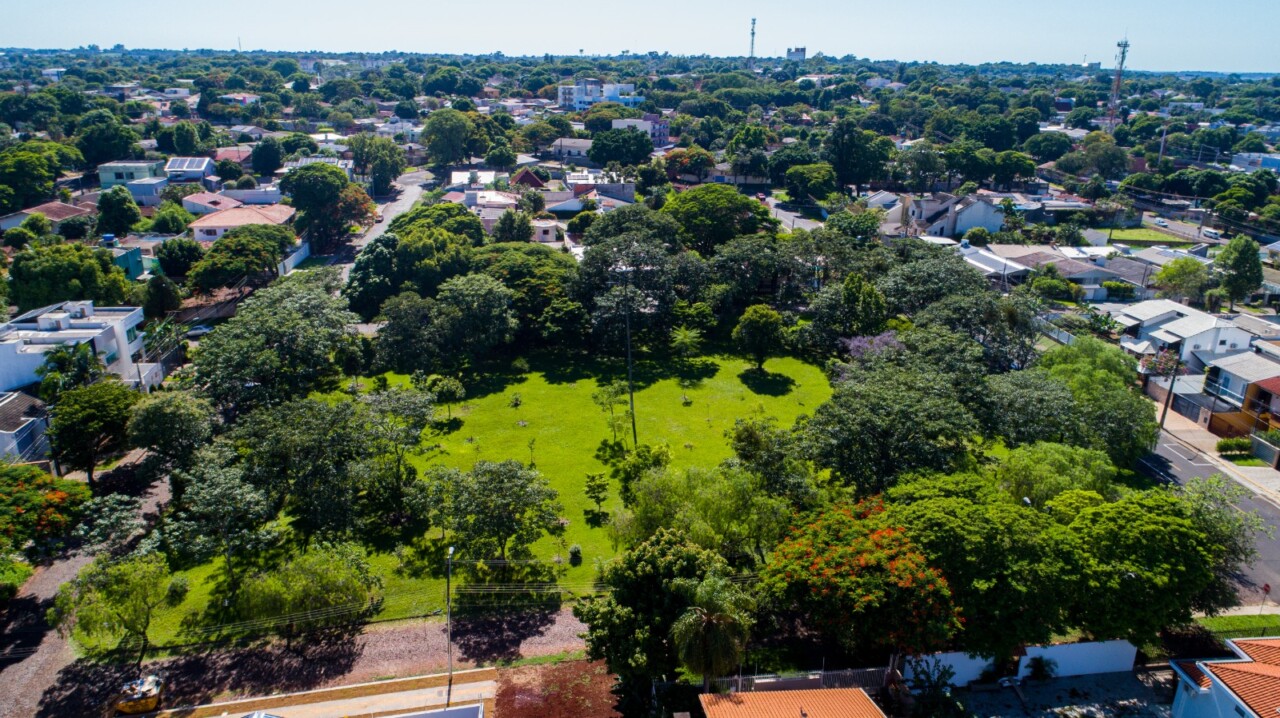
x,y
1113,107
751,60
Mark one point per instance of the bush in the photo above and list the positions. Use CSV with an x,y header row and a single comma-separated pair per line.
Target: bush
x,y
1119,291
12,575
575,555
177,590
520,366
1235,445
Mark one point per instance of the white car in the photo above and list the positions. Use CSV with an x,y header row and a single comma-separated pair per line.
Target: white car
x,y
1161,223
198,331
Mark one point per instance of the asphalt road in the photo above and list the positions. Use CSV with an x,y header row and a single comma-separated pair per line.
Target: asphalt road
x,y
790,220
406,192
1179,463
1187,231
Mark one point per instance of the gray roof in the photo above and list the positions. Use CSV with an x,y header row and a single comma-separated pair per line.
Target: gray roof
x,y
1152,308
1247,365
1138,273
1257,326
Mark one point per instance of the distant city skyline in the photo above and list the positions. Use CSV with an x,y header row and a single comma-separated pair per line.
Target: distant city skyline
x,y
1173,35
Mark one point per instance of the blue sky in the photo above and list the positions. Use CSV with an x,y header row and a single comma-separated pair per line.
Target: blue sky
x,y
1166,34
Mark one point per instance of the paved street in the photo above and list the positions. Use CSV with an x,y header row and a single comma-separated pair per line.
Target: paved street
x,y
790,220
1186,231
1177,461
408,189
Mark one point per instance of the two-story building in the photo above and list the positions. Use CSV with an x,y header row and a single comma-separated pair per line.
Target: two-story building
x,y
111,332
111,174
655,126
189,169
1160,324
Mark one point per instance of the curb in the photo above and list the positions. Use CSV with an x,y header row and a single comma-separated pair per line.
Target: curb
x,y
1228,469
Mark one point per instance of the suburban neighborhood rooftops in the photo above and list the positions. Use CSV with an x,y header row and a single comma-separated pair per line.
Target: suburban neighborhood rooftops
x,y
212,201
815,703
1150,309
1257,326
1193,324
1256,684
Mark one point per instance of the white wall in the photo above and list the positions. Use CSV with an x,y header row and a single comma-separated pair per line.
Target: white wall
x,y
1083,659
299,255
967,669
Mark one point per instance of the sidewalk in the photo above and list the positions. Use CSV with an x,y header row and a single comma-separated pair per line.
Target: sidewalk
x,y
1264,481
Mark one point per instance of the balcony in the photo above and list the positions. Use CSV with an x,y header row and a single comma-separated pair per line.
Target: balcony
x,y
1213,386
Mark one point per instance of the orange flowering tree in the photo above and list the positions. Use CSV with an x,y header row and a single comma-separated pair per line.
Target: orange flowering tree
x,y
866,584
35,506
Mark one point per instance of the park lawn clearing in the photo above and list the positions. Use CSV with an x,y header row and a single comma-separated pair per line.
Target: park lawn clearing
x,y
1146,236
556,412
1265,624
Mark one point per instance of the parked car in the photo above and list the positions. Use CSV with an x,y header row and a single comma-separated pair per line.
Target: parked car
x,y
198,331
1161,223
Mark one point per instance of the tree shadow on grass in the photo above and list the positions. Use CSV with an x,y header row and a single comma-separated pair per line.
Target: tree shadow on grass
x,y
493,628
767,383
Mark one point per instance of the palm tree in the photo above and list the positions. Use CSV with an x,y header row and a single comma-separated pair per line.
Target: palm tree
x,y
711,636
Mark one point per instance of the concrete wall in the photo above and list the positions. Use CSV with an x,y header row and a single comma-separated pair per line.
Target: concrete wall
x,y
298,257
967,668
1083,659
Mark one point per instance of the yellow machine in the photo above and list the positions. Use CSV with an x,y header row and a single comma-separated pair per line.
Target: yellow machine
x,y
140,696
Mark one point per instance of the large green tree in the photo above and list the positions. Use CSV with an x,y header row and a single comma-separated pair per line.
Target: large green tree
x,y
1241,268
629,627
501,508
114,600
117,212
89,422
710,215
446,133
627,146
759,333
857,155
711,635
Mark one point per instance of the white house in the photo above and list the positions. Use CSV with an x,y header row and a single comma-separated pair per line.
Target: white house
x,y
212,226
208,203
1159,324
1247,685
22,425
112,333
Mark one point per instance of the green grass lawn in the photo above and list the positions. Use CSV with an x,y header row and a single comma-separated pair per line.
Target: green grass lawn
x,y
1145,235
1245,460
557,414
1269,622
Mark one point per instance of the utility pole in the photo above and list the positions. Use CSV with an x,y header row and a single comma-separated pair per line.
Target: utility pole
x,y
448,623
1163,134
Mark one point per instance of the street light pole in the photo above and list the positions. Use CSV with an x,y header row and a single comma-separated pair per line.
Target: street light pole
x,y
448,623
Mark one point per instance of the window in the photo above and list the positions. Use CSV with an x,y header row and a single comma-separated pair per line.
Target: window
x,y
1222,342
132,334
119,175
209,232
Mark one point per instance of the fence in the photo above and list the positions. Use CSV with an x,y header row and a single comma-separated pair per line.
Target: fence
x,y
869,679
1059,335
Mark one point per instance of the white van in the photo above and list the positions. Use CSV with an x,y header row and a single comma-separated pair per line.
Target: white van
x,y
1212,234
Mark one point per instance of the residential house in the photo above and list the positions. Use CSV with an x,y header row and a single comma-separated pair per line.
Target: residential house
x,y
53,73
546,231
111,174
111,332
1161,324
177,93
347,166
1160,256
569,150
251,130
587,92
1247,684
189,169
240,99
1139,274
1087,275
207,203
122,90
22,424
461,179
655,126
1254,161
812,702
527,178
241,155
993,266
1239,383
55,212
147,191
212,226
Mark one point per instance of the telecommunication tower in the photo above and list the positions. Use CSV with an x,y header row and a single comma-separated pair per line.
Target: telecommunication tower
x,y
751,59
1113,107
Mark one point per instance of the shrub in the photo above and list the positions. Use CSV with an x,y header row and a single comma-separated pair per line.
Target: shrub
x,y
520,366
12,575
1235,445
575,555
177,590
1119,291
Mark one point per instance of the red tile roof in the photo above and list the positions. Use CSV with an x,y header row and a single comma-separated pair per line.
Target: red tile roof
x,y
816,703
1262,650
1257,685
1193,672
235,154
57,211
242,216
1272,385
